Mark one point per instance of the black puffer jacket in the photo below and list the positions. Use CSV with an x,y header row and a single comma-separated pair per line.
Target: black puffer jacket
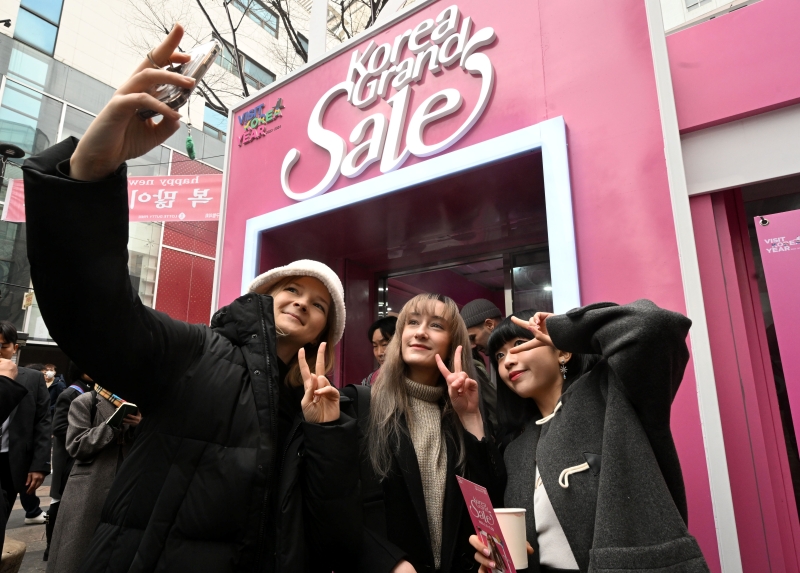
x,y
207,486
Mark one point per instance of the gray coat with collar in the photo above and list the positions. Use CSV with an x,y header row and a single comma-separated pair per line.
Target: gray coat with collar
x,y
628,511
98,451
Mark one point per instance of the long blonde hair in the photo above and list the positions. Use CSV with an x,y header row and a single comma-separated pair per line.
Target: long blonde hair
x,y
390,402
294,378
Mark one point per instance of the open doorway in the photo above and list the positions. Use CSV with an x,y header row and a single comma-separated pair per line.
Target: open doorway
x,y
480,233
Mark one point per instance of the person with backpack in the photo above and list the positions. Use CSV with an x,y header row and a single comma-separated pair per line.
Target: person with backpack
x,y
242,463
80,383
422,426
98,450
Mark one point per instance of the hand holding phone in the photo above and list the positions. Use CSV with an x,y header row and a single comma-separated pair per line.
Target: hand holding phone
x,y
200,60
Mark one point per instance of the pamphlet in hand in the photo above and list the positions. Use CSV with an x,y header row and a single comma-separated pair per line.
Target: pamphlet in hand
x,y
115,420
486,525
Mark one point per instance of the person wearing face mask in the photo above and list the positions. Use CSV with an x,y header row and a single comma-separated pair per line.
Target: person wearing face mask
x,y
55,385
585,401
243,461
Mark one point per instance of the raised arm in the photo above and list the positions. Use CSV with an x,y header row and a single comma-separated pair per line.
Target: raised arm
x,y
81,277
644,345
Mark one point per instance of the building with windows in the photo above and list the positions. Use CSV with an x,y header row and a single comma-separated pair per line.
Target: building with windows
x,y
60,62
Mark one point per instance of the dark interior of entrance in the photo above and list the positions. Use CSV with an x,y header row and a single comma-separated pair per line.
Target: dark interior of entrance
x,y
481,233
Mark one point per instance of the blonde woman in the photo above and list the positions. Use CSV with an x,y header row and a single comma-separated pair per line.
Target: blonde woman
x,y
425,428
231,468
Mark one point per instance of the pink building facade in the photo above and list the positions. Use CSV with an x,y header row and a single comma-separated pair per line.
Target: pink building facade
x,y
519,155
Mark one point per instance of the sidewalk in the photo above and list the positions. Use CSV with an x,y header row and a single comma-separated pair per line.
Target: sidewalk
x,y
32,535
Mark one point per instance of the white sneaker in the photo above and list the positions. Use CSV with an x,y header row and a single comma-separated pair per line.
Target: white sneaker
x,y
38,520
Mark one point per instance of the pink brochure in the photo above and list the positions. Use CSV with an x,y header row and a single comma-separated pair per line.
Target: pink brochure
x,y
486,525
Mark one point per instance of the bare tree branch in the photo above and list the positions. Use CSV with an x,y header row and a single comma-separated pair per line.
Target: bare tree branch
x,y
236,54
290,28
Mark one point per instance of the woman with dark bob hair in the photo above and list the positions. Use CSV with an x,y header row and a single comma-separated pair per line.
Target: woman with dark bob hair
x,y
584,409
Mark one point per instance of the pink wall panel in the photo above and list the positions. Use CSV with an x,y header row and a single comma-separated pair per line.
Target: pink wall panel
x,y
739,64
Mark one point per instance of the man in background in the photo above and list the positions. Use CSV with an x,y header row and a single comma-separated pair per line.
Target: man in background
x,y
11,394
25,436
380,334
55,385
481,317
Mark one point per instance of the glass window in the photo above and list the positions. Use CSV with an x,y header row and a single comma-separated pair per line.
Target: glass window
x,y
303,42
226,60
35,31
256,76
216,119
75,123
259,14
28,119
531,282
15,273
28,67
50,10
13,171
144,242
215,124
154,162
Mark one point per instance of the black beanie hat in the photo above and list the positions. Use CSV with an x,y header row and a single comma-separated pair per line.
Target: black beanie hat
x,y
478,310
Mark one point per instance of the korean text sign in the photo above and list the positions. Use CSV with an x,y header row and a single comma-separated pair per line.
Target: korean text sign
x,y
156,198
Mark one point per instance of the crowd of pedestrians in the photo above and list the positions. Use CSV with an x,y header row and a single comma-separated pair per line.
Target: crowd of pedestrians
x,y
243,457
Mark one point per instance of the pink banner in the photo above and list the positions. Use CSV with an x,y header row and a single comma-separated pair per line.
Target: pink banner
x,y
157,198
779,242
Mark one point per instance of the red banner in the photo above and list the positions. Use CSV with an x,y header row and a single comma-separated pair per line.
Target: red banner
x,y
157,198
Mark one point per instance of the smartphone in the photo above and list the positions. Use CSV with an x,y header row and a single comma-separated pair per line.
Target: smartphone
x,y
201,59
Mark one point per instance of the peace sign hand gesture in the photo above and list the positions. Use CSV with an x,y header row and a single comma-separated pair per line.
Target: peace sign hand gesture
x,y
538,327
320,402
464,395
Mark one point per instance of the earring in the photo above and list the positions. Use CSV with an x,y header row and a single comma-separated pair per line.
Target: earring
x,y
564,369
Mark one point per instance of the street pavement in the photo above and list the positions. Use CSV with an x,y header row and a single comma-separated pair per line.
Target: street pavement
x,y
32,535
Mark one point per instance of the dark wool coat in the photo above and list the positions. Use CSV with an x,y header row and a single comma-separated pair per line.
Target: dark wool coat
x,y
11,393
628,511
205,487
405,517
98,451
29,429
62,461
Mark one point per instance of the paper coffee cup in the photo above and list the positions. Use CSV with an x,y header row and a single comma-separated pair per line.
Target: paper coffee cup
x,y
512,524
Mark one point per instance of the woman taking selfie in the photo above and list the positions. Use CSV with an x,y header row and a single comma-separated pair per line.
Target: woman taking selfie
x,y
425,427
592,458
242,462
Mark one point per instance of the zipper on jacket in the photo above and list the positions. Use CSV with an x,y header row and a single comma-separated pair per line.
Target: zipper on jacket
x,y
295,427
262,529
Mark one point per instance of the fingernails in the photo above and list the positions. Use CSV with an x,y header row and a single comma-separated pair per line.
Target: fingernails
x,y
486,552
492,564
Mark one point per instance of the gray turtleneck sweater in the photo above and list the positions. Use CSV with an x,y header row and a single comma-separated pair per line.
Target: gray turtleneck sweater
x,y
425,426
